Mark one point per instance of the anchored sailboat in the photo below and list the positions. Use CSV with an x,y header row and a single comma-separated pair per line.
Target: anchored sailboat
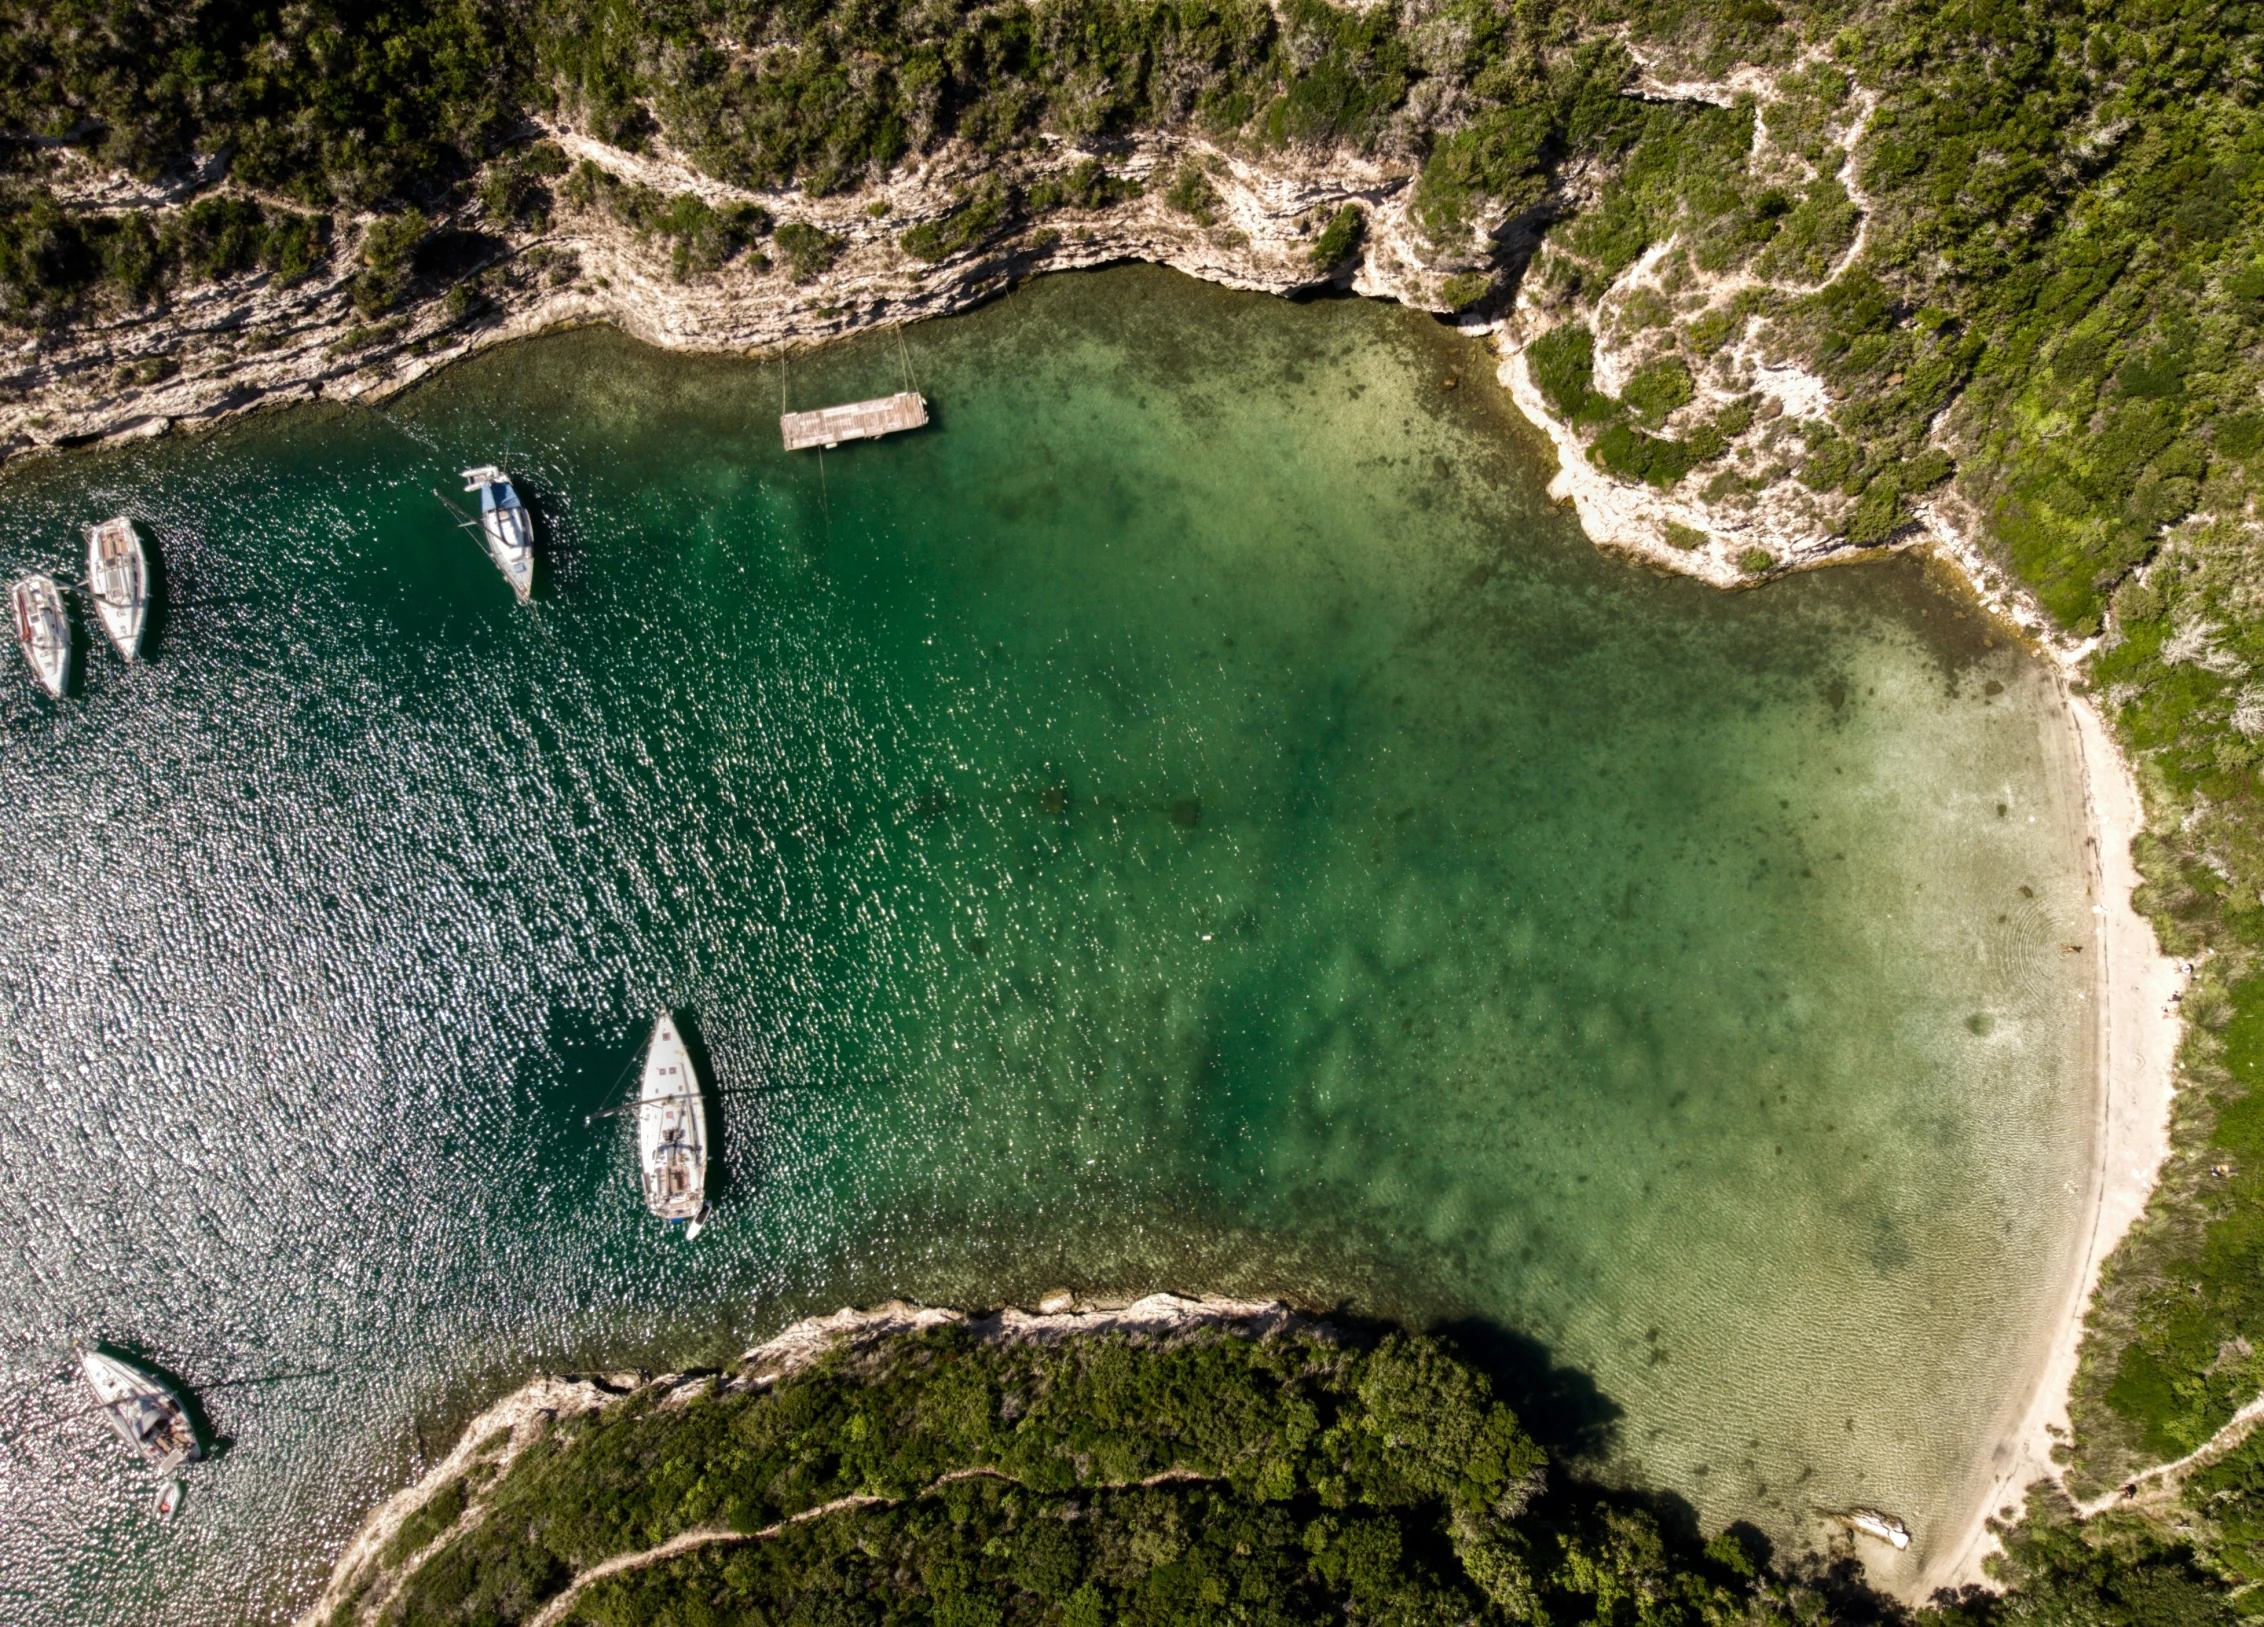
x,y
44,631
147,1415
117,574
672,1144
506,527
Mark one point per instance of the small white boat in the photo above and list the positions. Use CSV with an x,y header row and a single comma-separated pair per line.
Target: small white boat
x,y
506,526
672,1144
143,1409
44,631
117,574
1869,1522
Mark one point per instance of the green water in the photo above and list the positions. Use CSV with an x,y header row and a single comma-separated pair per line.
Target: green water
x,y
1193,818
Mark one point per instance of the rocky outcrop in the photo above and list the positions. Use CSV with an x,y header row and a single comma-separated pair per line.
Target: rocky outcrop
x,y
230,347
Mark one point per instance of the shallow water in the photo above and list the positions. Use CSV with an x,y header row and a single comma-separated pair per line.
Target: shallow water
x,y
1194,818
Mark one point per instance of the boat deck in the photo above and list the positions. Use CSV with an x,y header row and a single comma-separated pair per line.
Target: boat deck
x,y
854,421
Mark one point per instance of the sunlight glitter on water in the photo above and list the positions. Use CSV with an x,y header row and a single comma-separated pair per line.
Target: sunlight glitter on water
x,y
1194,818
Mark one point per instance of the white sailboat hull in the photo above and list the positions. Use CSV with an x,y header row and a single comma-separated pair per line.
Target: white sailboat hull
x,y
506,528
117,574
43,631
672,1139
144,1411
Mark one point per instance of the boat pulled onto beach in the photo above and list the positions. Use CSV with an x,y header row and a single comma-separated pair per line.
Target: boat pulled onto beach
x,y
506,527
672,1139
1870,1522
117,575
43,631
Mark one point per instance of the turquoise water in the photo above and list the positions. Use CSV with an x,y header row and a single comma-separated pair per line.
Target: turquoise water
x,y
1195,818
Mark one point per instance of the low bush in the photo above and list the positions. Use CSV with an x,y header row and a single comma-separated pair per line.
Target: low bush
x,y
1084,185
1465,288
809,250
1563,363
1192,194
972,221
1339,238
1626,451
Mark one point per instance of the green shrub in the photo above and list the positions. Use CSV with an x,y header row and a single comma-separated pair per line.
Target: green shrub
x,y
1191,193
388,249
1465,288
1339,238
1925,471
438,1512
702,238
1736,417
1708,331
1563,363
1626,451
1756,562
1657,389
972,221
809,250
1831,463
1495,159
1685,537
217,237
1084,185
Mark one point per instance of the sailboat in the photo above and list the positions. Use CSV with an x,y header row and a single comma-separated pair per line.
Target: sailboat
x,y
147,1415
672,1143
506,527
117,574
44,631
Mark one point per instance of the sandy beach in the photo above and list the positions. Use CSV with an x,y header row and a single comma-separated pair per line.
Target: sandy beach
x,y
2136,1044
2137,1029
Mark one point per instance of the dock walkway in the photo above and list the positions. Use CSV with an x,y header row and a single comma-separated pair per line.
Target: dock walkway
x,y
855,421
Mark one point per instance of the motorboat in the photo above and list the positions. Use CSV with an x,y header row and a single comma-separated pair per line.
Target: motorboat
x,y
506,527
672,1141
142,1408
44,631
117,574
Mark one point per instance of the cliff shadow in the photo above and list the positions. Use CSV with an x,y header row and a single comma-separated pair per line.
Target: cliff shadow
x,y
1561,1407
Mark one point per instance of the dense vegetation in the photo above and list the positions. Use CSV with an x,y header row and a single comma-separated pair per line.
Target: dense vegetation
x,y
2022,242
1302,1477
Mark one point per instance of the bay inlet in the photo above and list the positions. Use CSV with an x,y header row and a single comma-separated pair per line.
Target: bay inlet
x,y
1192,817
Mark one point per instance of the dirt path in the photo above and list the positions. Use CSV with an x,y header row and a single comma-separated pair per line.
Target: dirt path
x,y
2168,1476
685,1541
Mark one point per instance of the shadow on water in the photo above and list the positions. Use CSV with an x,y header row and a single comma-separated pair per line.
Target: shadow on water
x,y
704,1076
1561,1407
159,612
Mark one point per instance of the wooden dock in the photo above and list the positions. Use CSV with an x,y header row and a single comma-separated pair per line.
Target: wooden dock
x,y
856,421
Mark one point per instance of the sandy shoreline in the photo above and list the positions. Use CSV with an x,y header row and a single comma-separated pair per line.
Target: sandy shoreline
x,y
2136,1037
2136,1028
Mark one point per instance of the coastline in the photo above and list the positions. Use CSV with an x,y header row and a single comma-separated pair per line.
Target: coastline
x,y
1258,246
2136,1028
2135,1046
243,344
365,1572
